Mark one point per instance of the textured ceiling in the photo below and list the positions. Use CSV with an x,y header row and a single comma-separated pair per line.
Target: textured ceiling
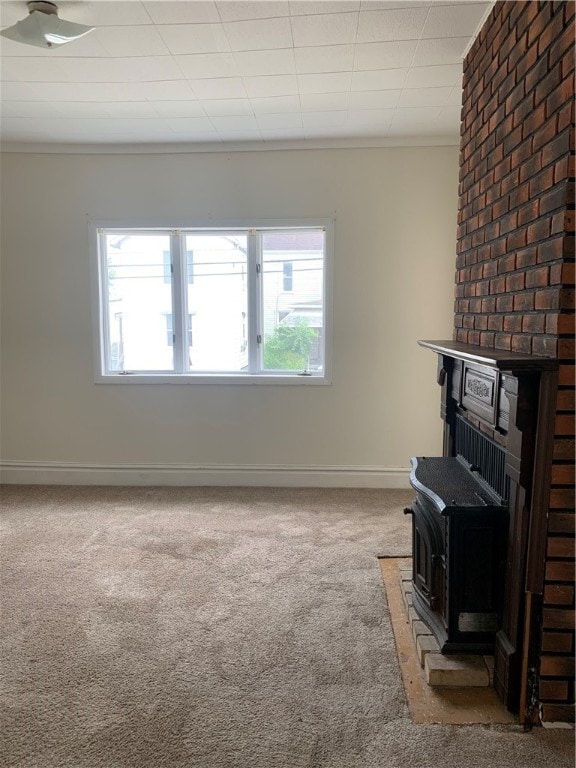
x,y
205,73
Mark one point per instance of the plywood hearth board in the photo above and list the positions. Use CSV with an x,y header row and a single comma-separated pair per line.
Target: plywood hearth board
x,y
456,706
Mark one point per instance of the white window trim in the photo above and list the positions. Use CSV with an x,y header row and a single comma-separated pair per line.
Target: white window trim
x,y
99,290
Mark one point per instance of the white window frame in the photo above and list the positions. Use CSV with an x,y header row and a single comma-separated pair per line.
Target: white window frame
x,y
254,375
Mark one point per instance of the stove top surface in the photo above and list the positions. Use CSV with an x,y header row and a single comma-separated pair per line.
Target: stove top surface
x,y
452,482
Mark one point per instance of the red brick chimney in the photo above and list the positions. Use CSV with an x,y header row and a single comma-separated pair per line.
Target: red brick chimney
x,y
515,259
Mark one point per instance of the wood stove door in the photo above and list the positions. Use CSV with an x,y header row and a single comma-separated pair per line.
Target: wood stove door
x,y
429,556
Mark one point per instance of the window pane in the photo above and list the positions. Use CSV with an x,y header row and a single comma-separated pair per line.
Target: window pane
x,y
293,312
190,266
139,303
217,302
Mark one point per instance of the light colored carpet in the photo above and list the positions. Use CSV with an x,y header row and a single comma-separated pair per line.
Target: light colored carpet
x,y
216,628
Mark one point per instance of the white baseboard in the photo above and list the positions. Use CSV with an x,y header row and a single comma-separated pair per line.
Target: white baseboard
x,y
52,473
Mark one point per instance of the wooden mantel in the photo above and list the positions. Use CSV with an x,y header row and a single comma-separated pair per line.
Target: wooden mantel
x,y
509,398
502,360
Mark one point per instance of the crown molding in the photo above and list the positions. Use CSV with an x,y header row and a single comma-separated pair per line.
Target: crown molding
x,y
481,23
248,146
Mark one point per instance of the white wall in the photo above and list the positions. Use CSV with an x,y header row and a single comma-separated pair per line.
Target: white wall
x,y
395,212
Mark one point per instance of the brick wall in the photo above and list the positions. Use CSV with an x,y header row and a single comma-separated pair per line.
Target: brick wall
x,y
515,258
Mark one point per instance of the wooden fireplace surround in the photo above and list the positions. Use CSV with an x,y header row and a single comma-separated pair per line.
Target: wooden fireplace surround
x,y
509,397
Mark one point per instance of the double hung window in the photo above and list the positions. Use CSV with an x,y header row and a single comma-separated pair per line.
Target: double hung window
x,y
242,302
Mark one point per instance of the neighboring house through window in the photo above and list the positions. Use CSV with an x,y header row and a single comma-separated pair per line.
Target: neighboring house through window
x,y
287,276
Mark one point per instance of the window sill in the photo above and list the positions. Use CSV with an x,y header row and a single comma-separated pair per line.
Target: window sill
x,y
215,378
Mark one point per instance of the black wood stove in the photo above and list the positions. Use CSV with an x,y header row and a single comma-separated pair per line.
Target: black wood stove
x,y
458,550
